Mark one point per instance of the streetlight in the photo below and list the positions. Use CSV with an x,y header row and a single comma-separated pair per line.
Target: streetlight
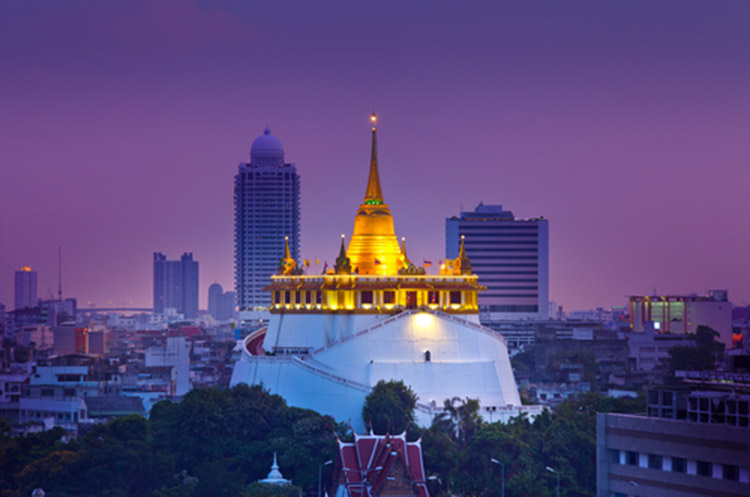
x,y
502,474
320,475
558,478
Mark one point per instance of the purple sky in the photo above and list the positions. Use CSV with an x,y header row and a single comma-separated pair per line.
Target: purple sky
x,y
626,124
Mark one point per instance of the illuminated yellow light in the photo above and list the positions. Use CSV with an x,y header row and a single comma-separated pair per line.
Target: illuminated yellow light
x,y
26,269
423,320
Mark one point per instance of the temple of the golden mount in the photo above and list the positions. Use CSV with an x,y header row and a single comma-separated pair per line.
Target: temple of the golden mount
x,y
376,316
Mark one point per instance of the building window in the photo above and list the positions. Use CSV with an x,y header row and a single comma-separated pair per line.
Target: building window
x,y
308,297
276,297
704,468
432,297
48,392
427,356
318,297
731,472
389,297
632,458
655,461
297,297
455,297
614,456
679,465
367,297
69,392
288,297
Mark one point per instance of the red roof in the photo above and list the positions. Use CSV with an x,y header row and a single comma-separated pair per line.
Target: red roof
x,y
375,464
186,331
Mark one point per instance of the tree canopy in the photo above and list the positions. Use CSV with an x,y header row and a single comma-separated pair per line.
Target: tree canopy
x,y
389,408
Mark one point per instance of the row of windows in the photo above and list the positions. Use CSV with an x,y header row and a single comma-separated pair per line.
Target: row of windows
x,y
484,226
477,240
366,297
493,248
676,464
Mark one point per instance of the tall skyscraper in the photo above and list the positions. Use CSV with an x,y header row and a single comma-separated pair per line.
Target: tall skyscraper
x,y
25,286
176,284
511,258
266,210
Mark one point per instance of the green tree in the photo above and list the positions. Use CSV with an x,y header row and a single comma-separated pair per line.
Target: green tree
x,y
389,407
460,418
701,357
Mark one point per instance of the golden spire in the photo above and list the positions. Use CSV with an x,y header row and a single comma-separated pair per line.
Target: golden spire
x,y
288,265
373,247
373,194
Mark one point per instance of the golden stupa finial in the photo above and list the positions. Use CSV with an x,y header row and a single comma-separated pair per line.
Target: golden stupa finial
x,y
374,194
343,265
288,264
403,246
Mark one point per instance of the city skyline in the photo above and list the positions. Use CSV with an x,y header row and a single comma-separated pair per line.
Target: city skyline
x,y
624,125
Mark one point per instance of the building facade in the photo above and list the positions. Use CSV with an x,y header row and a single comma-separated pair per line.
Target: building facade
x,y
694,441
176,285
266,210
25,288
682,314
221,305
511,258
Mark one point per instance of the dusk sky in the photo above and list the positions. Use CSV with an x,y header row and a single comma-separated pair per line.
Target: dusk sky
x,y
625,123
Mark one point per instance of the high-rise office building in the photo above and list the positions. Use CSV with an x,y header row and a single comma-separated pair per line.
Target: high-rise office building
x,y
221,305
511,258
266,210
176,284
25,287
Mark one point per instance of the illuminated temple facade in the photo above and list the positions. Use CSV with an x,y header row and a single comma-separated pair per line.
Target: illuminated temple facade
x,y
376,316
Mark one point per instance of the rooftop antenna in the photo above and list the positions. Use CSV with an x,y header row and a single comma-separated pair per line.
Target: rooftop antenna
x,y
59,273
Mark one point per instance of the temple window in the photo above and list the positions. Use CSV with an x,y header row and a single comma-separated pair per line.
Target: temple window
x,y
427,356
288,297
308,297
366,297
455,297
432,297
389,297
318,297
277,297
297,297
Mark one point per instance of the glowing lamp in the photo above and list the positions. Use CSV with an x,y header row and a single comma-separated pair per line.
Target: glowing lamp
x,y
423,320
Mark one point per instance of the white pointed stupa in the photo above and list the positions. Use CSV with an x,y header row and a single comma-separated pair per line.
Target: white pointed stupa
x,y
274,476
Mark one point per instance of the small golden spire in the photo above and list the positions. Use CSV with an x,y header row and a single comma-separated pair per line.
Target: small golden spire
x,y
373,193
287,254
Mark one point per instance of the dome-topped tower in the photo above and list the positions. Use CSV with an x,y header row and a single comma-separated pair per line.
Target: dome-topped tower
x,y
267,150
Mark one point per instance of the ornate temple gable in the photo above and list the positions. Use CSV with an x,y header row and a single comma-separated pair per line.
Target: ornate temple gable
x,y
375,465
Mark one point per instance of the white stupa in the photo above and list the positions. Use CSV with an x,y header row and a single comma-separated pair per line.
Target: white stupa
x,y
274,476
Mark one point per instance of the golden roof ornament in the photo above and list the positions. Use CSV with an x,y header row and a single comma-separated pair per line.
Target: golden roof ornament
x,y
288,265
343,265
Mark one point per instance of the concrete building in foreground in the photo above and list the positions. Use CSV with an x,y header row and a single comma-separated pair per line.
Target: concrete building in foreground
x,y
693,442
376,316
